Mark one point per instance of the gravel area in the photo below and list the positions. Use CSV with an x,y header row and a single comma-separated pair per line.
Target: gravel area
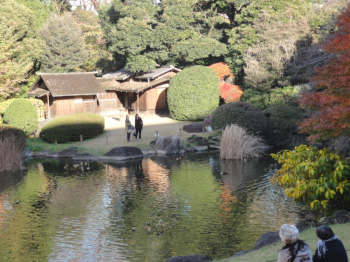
x,y
115,136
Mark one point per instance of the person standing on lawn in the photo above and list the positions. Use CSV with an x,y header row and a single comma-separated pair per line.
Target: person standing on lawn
x,y
128,128
138,126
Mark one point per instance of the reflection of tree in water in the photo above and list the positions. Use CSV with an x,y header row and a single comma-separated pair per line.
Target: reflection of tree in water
x,y
24,228
256,200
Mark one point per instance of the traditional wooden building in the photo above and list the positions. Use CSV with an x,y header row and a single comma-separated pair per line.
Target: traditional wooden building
x,y
67,93
72,93
145,92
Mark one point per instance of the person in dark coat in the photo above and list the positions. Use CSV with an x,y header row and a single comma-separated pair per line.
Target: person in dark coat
x,y
138,126
329,247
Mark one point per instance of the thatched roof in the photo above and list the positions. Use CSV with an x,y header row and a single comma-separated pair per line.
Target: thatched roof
x,y
108,83
124,74
66,84
157,72
137,87
120,75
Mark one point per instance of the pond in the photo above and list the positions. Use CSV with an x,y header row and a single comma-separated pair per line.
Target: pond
x,y
141,210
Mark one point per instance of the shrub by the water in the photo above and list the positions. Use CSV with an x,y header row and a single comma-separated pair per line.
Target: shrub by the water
x,y
22,114
282,123
314,177
236,143
193,93
12,145
243,114
69,128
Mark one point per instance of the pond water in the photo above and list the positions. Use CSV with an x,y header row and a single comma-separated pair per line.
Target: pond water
x,y
142,210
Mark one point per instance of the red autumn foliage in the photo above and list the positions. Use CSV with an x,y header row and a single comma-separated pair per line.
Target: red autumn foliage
x,y
230,93
223,71
331,100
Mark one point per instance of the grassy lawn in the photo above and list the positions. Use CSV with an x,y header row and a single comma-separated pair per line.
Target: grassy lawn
x,y
270,253
114,136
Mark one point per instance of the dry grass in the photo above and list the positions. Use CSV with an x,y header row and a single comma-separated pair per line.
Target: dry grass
x,y
11,152
236,143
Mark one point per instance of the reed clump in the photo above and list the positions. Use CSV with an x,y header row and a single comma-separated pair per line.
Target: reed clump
x,y
12,145
237,143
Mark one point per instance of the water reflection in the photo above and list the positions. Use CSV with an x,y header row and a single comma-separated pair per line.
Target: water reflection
x,y
140,210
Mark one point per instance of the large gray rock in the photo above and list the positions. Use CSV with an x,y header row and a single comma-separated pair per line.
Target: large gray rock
x,y
122,153
267,239
193,128
66,153
168,145
194,258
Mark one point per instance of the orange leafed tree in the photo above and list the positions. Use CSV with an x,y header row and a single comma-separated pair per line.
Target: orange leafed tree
x,y
223,71
331,100
230,93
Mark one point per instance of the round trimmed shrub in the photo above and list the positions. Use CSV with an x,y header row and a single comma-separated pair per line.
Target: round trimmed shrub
x,y
22,114
69,128
12,144
193,93
242,114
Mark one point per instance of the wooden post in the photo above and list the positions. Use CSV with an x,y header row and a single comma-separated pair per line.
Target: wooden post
x,y
137,103
48,106
126,98
81,138
107,140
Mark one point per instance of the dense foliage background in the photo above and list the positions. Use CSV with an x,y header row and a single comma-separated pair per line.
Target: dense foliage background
x,y
267,47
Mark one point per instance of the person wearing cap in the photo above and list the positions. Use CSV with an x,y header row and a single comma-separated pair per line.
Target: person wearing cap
x,y
329,247
294,250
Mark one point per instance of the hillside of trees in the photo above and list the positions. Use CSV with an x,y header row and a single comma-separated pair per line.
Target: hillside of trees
x,y
268,45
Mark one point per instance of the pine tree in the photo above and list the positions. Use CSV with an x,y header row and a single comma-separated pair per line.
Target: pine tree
x,y
64,44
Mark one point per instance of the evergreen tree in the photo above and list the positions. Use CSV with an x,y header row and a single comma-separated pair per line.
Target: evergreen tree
x,y
142,34
20,47
64,44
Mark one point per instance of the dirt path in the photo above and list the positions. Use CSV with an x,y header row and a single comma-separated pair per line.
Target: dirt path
x,y
115,136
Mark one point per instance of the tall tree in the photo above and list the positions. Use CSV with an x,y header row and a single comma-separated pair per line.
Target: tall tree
x,y
245,33
41,10
20,47
64,44
142,34
98,57
331,100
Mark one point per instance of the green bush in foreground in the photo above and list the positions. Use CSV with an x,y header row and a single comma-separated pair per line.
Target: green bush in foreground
x,y
318,178
12,144
69,128
22,114
193,93
242,114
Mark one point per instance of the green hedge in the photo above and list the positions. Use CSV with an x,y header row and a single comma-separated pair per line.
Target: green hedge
x,y
242,114
22,114
193,93
69,128
12,144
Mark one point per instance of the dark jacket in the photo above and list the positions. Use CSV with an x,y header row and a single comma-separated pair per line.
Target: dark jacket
x,y
138,123
335,252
